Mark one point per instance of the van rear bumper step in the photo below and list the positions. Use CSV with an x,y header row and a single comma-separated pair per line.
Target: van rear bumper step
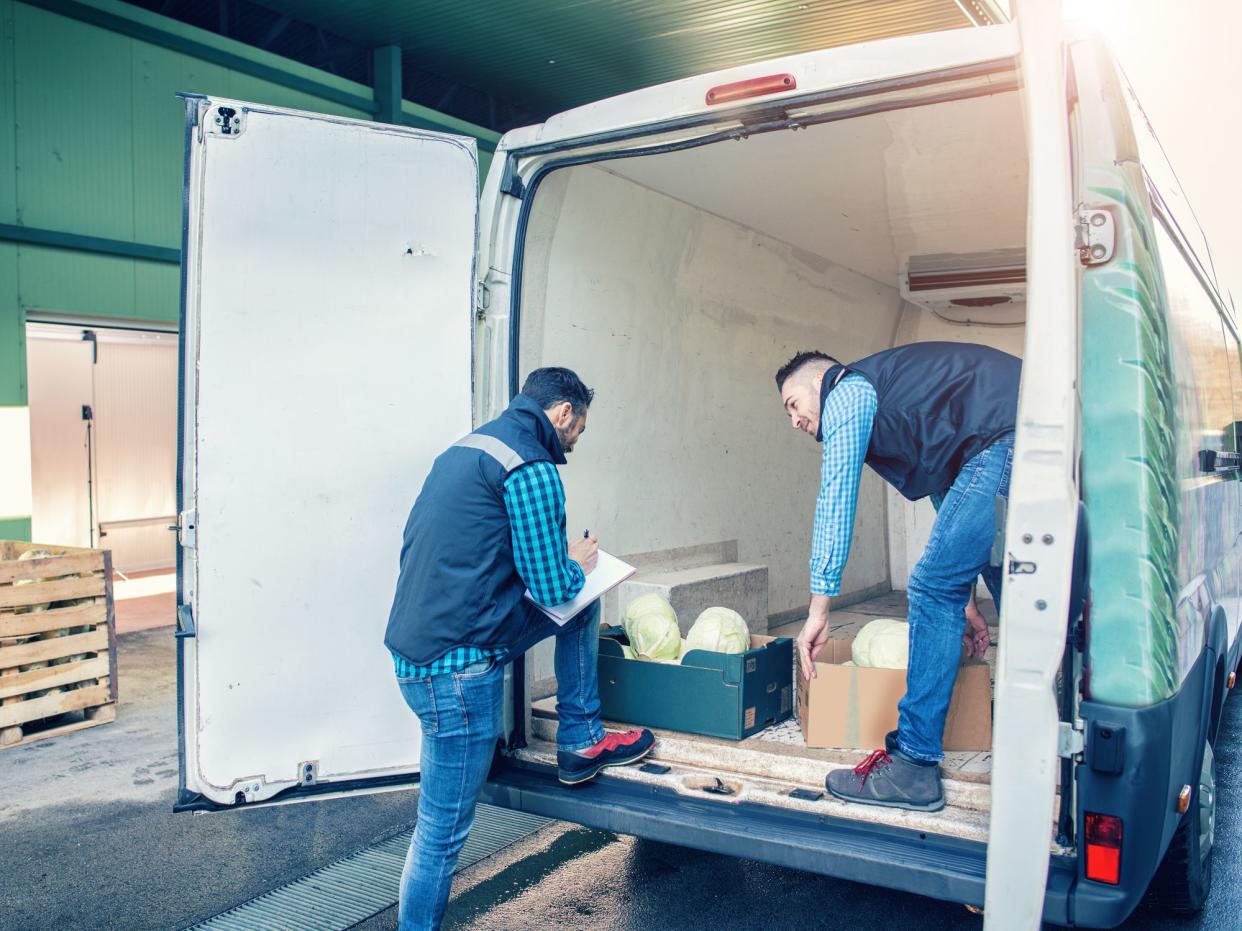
x,y
926,864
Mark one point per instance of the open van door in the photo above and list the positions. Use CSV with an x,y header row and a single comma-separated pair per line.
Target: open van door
x,y
327,298
1043,501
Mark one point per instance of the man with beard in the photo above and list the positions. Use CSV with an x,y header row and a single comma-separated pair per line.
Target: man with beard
x,y
488,525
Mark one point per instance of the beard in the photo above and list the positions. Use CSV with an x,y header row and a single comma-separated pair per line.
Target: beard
x,y
566,438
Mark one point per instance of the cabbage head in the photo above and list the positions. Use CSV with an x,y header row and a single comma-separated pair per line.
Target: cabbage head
x,y
654,637
884,644
651,603
721,630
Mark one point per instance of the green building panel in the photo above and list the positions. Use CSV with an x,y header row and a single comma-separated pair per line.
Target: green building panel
x,y
15,528
91,123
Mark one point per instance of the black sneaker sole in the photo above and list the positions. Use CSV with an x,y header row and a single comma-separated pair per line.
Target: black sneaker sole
x,y
937,805
588,775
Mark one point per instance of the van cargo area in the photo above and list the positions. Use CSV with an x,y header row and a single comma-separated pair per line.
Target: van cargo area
x,y
677,283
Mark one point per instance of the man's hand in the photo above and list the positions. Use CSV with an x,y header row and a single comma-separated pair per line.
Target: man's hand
x,y
585,552
977,638
814,634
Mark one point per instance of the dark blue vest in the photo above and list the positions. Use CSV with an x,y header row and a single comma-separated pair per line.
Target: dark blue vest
x,y
938,405
458,583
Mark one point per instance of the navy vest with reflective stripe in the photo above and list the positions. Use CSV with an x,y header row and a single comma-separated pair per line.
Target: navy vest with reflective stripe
x,y
458,583
937,405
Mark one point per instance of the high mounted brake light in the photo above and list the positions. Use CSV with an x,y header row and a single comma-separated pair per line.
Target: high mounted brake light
x,y
754,87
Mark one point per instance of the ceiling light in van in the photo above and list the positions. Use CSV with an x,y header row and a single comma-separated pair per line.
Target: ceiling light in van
x,y
977,279
754,87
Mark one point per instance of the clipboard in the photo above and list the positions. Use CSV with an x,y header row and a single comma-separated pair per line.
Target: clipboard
x,y
609,572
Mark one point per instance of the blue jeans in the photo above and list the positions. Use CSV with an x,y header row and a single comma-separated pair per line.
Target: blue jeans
x,y
462,718
957,553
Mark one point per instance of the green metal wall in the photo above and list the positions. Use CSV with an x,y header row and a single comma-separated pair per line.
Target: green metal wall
x,y
91,146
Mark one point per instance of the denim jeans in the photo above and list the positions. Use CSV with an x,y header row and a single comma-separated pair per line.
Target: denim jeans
x,y
957,553
462,718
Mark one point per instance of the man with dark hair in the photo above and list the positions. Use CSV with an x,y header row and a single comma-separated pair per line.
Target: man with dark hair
x,y
933,420
488,525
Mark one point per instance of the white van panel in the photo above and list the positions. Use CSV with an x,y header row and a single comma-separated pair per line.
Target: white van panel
x,y
327,362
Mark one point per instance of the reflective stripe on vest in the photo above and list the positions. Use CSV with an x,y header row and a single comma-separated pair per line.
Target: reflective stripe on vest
x,y
498,450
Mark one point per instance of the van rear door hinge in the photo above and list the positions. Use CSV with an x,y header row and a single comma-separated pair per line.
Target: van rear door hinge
x,y
1095,236
1070,742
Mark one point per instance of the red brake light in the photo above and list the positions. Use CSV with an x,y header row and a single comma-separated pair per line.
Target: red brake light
x,y
754,87
1103,837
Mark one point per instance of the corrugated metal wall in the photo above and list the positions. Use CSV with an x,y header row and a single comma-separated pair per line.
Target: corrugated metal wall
x,y
91,145
94,130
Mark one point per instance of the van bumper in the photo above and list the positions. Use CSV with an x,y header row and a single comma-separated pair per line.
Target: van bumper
x,y
925,864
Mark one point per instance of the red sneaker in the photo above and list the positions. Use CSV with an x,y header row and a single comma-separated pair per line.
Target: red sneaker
x,y
616,749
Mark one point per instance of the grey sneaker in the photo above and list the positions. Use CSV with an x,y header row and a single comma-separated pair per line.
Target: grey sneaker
x,y
890,780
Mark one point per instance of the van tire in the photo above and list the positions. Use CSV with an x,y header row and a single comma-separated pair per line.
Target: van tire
x,y
1184,878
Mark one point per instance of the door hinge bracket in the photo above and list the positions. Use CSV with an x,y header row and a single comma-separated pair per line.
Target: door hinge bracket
x,y
1095,236
308,772
482,300
1070,743
227,121
187,524
511,182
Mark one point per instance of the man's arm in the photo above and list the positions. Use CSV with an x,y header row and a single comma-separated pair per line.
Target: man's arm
x,y
535,500
845,423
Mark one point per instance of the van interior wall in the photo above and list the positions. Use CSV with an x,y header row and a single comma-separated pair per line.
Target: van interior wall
x,y
679,319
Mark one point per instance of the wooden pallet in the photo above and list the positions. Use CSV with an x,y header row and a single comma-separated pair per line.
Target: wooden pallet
x,y
57,641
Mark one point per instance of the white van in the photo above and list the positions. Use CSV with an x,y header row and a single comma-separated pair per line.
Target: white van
x,y
352,307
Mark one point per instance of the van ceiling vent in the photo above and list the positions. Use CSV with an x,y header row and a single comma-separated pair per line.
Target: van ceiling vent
x,y
977,279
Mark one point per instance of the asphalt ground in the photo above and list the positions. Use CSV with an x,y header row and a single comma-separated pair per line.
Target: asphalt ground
x,y
88,839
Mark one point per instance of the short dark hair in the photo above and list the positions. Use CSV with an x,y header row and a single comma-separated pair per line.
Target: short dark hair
x,y
784,373
548,387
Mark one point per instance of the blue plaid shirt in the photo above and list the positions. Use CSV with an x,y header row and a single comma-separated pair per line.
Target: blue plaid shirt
x,y
535,500
845,422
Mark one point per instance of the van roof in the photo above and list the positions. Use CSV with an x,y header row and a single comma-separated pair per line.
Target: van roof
x,y
813,72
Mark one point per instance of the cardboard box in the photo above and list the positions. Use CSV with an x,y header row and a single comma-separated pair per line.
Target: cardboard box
x,y
854,707
716,694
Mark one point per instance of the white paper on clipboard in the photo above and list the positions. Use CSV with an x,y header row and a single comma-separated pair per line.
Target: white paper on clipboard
x,y
609,572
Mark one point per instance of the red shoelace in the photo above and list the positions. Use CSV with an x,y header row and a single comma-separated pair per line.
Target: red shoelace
x,y
612,741
875,759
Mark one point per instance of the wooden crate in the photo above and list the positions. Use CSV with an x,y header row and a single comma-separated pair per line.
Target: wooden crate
x,y
57,641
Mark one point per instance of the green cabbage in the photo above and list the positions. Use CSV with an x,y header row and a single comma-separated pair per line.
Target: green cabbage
x,y
654,637
884,644
628,651
652,603
720,630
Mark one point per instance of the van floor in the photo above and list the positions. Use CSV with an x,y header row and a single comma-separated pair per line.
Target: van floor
x,y
767,767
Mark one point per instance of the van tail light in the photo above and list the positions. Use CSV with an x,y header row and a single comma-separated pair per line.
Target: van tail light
x,y
1103,837
755,87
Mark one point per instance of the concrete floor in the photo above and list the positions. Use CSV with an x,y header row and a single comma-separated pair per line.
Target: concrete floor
x,y
90,841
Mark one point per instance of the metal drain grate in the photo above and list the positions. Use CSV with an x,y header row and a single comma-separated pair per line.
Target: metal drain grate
x,y
363,884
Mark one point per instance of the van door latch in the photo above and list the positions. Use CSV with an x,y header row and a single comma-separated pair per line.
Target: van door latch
x,y
1069,740
1095,236
187,522
1020,567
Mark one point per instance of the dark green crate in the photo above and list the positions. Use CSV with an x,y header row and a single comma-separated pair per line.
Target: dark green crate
x,y
715,694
